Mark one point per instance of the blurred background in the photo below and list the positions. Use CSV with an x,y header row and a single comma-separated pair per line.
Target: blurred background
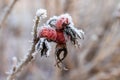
x,y
99,55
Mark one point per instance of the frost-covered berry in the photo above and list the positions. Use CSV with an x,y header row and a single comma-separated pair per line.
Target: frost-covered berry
x,y
61,22
47,32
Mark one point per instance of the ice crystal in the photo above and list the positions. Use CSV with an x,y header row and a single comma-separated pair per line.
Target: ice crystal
x,y
42,13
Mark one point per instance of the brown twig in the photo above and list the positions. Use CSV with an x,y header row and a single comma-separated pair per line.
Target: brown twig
x,y
7,12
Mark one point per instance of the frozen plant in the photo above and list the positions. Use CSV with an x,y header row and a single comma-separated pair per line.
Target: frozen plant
x,y
59,29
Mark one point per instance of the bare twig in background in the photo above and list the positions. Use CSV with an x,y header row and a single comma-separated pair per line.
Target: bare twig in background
x,y
39,14
113,72
7,12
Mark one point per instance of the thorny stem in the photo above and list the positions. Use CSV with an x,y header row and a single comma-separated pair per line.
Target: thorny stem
x,y
30,56
7,12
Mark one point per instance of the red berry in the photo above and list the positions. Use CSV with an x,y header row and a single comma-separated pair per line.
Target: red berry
x,y
60,37
60,22
52,34
48,33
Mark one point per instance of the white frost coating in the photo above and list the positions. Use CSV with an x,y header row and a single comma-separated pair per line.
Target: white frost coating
x,y
42,13
42,40
40,47
52,18
49,48
67,16
41,28
14,60
58,17
81,33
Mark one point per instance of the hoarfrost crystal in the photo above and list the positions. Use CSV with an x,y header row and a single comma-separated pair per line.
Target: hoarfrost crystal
x,y
42,13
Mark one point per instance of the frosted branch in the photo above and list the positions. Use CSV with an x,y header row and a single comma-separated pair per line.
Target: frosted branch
x,y
16,69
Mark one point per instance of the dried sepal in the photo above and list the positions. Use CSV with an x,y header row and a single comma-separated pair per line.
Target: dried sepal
x,y
60,49
52,21
43,47
74,34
